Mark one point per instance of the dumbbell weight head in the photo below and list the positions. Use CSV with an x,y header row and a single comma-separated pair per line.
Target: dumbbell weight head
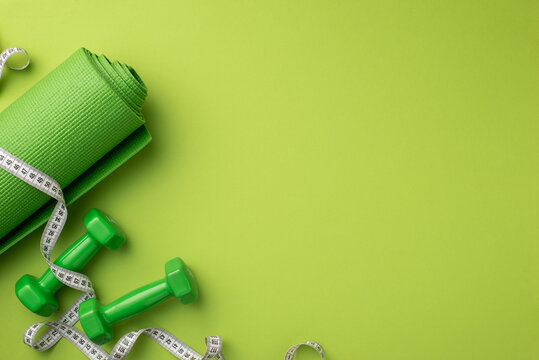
x,y
96,327
40,299
34,297
102,228
181,281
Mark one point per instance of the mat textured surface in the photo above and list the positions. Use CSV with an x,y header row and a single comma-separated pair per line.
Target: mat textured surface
x,y
77,124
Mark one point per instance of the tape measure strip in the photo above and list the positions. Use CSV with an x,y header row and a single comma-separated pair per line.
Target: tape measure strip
x,y
63,326
6,54
292,351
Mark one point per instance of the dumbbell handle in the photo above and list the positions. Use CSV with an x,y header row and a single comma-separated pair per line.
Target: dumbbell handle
x,y
74,258
136,301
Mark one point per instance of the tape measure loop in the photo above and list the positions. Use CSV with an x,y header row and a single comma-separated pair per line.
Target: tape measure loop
x,y
291,352
7,53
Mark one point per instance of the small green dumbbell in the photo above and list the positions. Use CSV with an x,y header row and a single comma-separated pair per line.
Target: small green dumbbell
x,y
38,294
97,320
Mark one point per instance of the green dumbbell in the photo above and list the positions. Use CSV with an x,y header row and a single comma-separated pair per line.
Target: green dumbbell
x,y
97,320
38,294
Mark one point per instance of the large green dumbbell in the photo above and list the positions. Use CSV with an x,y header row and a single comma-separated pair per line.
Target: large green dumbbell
x,y
97,320
38,294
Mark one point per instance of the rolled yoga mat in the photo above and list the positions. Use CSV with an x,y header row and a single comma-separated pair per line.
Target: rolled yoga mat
x,y
77,124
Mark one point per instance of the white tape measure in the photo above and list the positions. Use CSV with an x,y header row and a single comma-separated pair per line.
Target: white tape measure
x,y
6,54
63,326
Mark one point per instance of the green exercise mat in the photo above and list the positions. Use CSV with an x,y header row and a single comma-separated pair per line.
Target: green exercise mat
x,y
77,124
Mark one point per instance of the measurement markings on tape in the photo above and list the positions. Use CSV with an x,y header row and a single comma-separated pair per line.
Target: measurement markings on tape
x,y
6,54
292,351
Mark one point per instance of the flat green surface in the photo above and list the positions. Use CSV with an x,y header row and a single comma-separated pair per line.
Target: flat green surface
x,y
363,174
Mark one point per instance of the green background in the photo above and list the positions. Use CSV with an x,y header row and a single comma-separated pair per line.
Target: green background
x,y
363,174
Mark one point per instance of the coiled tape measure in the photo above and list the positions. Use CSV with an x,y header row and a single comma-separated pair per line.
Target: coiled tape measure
x,y
63,326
